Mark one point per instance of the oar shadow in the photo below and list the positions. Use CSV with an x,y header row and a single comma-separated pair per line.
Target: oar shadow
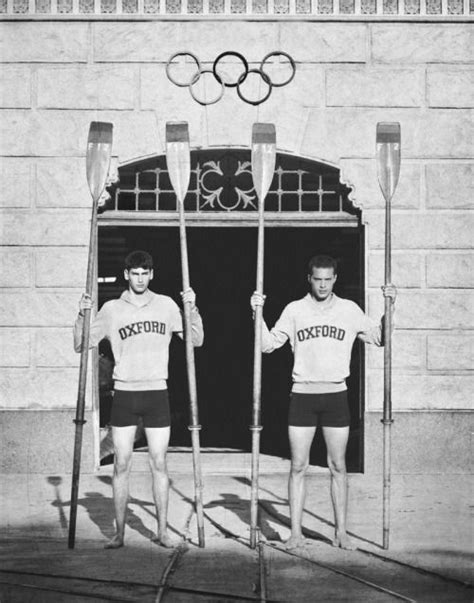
x,y
100,511
132,519
240,507
269,506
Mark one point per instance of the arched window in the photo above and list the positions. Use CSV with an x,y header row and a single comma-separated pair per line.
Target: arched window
x,y
221,181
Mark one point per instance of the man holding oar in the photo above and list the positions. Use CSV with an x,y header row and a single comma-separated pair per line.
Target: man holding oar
x,y
139,326
321,328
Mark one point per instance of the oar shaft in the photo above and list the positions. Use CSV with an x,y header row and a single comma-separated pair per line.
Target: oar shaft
x,y
388,242
81,392
194,426
387,399
257,384
256,426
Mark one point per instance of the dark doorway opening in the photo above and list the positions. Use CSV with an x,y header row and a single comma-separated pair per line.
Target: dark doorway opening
x,y
223,269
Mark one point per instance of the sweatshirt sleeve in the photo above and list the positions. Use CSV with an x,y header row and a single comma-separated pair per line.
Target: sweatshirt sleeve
x,y
197,329
279,335
98,329
368,330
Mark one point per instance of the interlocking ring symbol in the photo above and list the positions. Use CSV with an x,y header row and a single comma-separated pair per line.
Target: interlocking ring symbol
x,y
236,82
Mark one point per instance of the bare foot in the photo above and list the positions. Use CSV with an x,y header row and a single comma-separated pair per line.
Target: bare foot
x,y
115,543
165,540
343,541
295,542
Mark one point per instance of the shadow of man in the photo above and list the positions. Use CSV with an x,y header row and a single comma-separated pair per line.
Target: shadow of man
x,y
99,509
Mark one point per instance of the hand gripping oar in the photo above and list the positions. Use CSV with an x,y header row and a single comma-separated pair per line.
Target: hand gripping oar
x,y
388,170
263,167
178,159
99,148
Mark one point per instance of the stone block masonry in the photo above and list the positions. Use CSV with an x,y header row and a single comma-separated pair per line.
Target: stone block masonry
x,y
16,87
44,42
59,76
86,87
449,185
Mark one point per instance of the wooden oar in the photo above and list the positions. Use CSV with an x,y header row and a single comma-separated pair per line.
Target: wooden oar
x,y
178,158
263,167
388,143
99,148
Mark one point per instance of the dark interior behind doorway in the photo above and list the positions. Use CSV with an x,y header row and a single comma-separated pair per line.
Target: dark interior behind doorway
x,y
222,269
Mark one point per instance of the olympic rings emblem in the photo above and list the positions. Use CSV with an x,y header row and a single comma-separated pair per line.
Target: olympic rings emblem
x,y
231,83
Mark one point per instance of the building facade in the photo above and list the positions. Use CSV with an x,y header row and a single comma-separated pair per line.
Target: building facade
x,y
66,63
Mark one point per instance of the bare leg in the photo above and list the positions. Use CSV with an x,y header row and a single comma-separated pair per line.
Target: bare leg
x,y
123,438
300,444
158,439
336,444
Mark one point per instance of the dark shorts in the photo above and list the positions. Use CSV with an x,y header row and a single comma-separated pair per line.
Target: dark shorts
x,y
327,410
153,406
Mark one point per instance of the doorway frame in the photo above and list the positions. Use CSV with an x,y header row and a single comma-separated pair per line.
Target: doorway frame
x,y
230,219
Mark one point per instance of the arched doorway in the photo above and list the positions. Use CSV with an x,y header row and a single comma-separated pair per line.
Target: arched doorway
x,y
307,212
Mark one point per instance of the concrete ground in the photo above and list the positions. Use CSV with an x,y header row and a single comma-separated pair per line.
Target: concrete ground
x,y
429,558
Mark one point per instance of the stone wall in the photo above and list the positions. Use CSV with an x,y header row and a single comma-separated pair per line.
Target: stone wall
x,y
58,76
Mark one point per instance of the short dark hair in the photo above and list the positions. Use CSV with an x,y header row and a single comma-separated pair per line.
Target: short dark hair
x,y
322,261
139,259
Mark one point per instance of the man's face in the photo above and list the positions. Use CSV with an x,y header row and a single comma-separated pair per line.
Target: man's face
x,y
322,282
138,279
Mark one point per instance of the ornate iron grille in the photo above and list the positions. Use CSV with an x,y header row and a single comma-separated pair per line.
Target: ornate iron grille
x,y
148,9
221,181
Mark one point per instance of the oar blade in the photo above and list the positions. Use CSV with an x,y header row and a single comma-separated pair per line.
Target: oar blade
x,y
178,157
263,158
99,150
388,150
